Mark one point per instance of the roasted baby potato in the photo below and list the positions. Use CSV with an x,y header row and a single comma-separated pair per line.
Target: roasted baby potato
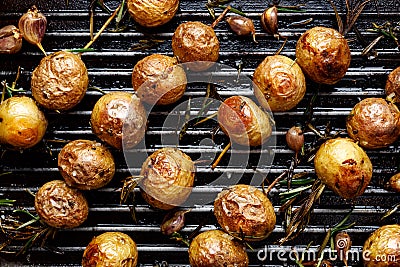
x,y
61,206
344,167
374,123
393,84
245,212
22,124
215,248
60,81
280,81
158,79
323,54
86,164
152,13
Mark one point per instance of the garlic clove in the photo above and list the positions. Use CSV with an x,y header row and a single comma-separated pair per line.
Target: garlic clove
x,y
10,40
269,20
33,26
241,25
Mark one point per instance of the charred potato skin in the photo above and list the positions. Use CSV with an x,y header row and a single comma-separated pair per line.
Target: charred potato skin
x,y
22,124
393,84
158,79
344,167
384,242
152,13
86,164
374,123
110,113
323,54
215,248
114,249
168,178
61,206
245,210
280,81
194,41
243,121
60,81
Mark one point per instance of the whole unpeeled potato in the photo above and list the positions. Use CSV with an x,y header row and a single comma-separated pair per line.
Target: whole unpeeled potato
x,y
152,13
344,167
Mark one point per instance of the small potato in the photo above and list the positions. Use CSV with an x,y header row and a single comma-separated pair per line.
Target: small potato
x,y
280,81
86,164
244,211
323,54
119,119
22,124
152,13
60,81
158,80
114,249
244,122
61,206
344,167
394,182
194,41
393,84
215,248
374,123
168,178
382,248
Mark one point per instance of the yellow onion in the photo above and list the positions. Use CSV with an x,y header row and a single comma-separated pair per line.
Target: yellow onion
x,y
10,40
33,26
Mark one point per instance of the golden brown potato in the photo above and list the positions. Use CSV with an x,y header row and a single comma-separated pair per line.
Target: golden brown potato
x,y
60,81
245,212
86,164
168,178
22,124
152,13
394,182
61,206
215,248
119,119
114,249
194,41
393,84
374,123
280,81
344,167
243,121
158,80
323,54
382,247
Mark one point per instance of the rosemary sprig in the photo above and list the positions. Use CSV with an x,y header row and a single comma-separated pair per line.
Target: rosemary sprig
x,y
6,202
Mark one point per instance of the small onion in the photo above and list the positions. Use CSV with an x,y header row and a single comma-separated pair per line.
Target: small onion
x,y
10,40
33,26
295,138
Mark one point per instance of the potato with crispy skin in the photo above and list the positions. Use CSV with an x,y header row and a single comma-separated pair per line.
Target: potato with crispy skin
x,y
119,119
244,211
280,81
244,122
168,178
114,249
152,13
194,41
61,206
382,248
323,54
86,164
215,248
22,123
60,81
393,84
157,79
374,123
394,183
344,167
